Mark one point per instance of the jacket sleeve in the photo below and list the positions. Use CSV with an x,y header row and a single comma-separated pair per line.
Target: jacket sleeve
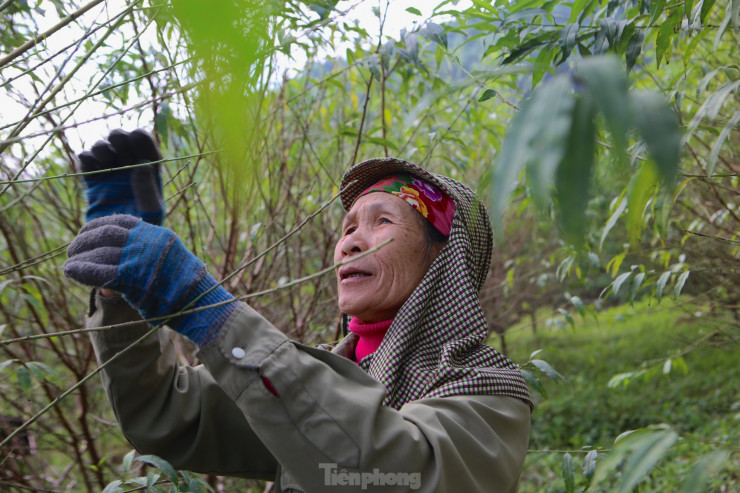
x,y
176,412
322,418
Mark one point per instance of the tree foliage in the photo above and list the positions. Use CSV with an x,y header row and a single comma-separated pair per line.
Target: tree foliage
x,y
602,133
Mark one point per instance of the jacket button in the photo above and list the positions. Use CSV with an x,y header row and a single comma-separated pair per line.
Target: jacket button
x,y
238,353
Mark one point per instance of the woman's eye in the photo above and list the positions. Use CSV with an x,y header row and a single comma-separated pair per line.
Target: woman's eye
x,y
349,230
384,220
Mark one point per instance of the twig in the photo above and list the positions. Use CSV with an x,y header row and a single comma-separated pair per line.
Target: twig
x,y
43,36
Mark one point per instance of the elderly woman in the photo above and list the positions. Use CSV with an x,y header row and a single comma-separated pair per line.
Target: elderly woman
x,y
411,400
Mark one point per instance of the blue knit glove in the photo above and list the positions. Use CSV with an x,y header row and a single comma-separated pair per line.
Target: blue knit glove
x,y
152,269
136,191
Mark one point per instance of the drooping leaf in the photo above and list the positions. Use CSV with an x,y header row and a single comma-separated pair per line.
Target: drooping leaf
x,y
573,176
633,49
660,285
487,94
665,33
706,7
567,40
607,82
160,464
641,187
548,370
589,463
568,473
702,470
647,450
619,281
621,206
680,283
658,126
523,143
635,285
656,8
712,159
534,381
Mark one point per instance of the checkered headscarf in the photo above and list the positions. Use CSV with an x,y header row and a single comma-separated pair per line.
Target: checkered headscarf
x,y
435,346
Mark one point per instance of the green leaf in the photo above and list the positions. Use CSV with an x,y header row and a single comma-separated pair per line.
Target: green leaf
x,y
6,363
413,10
567,39
607,83
589,463
702,470
641,187
658,126
537,134
160,464
573,176
665,32
40,370
635,285
633,49
656,8
688,6
706,7
647,450
621,206
434,32
660,285
636,453
568,317
679,283
619,281
712,159
487,94
24,378
114,487
127,460
568,473
578,304
548,370
534,381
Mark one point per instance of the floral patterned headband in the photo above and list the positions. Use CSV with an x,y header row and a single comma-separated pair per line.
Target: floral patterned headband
x,y
426,198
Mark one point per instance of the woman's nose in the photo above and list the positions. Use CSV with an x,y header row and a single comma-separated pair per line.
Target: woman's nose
x,y
357,242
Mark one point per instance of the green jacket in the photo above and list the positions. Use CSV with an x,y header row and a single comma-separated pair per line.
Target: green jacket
x,y
325,430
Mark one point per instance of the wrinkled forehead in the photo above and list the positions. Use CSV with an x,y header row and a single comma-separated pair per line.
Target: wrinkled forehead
x,y
377,202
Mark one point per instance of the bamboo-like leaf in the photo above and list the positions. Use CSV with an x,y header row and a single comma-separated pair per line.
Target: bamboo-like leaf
x,y
127,461
573,176
660,285
548,370
665,33
702,470
113,487
487,94
568,317
536,135
647,450
658,126
534,381
619,281
634,46
679,283
635,285
688,6
160,464
567,39
706,7
621,206
656,8
641,187
608,83
589,463
642,449
712,159
568,473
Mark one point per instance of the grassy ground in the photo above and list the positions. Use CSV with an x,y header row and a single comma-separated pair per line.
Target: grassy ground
x,y
699,397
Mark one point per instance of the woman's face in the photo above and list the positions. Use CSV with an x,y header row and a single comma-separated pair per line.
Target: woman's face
x,y
374,287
